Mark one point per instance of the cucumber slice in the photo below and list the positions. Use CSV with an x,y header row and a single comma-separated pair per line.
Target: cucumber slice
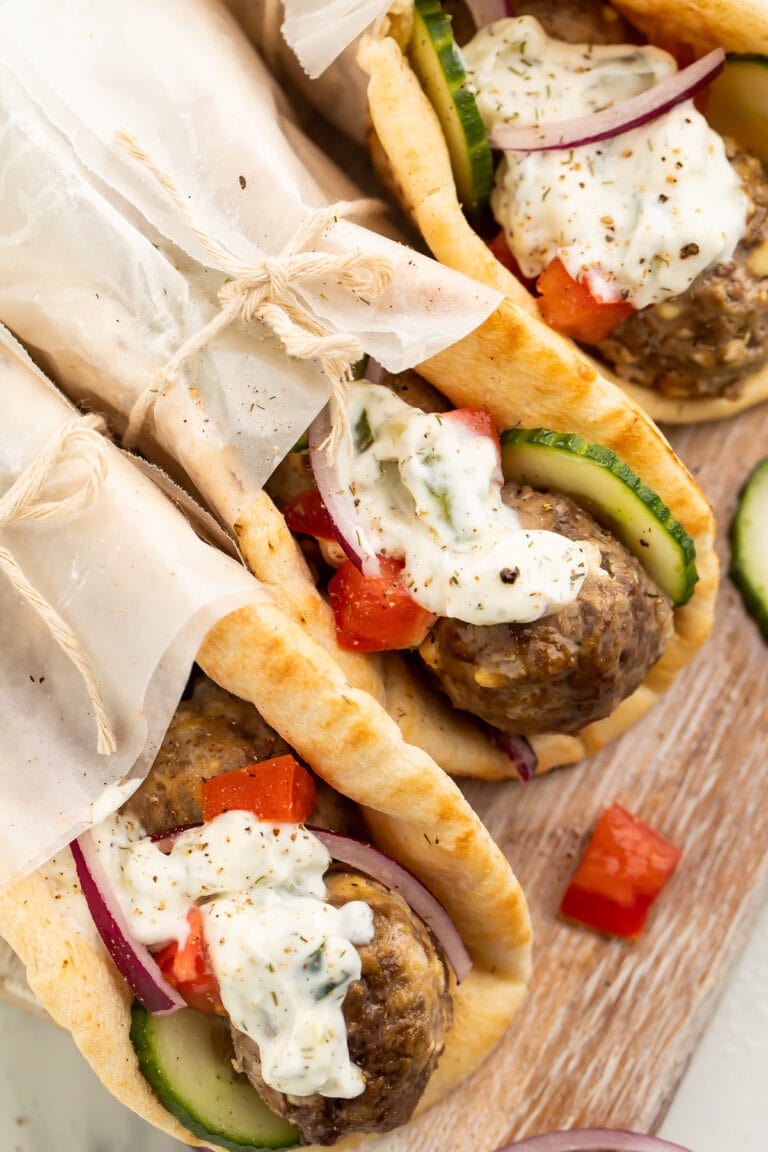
x,y
187,1060
738,102
613,493
749,545
438,64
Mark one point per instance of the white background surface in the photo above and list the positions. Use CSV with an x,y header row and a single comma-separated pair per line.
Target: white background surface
x,y
50,1100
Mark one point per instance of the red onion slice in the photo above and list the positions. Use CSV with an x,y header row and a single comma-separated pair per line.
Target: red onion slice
x,y
133,960
392,875
338,500
593,1140
614,120
487,11
519,751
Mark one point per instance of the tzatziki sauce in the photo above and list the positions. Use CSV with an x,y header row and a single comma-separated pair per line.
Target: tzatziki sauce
x,y
637,216
427,491
283,957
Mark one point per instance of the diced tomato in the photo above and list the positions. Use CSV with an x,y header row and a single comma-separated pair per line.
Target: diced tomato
x,y
188,968
624,868
306,513
278,789
376,613
569,306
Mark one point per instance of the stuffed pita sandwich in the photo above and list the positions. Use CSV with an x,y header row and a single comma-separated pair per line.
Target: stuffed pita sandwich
x,y
560,157
202,921
165,1066
648,247
486,692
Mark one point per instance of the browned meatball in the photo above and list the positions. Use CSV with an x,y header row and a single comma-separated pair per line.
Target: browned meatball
x,y
706,341
416,391
210,733
566,670
579,21
396,1014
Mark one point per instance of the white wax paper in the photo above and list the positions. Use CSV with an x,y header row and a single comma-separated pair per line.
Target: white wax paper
x,y
139,589
318,32
314,56
182,79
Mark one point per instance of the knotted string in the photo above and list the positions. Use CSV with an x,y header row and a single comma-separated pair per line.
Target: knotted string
x,y
267,291
79,441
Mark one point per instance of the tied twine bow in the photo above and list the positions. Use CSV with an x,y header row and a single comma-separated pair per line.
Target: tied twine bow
x,y
267,291
79,441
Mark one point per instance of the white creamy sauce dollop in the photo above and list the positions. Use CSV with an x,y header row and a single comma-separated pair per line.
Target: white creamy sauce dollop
x,y
427,491
637,216
282,956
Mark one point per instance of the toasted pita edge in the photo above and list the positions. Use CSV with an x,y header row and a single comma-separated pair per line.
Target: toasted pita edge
x,y
414,810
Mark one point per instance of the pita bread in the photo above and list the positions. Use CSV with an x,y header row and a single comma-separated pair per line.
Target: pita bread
x,y
414,811
409,150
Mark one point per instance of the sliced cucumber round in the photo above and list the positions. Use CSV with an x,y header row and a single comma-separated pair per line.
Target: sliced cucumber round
x,y
615,495
749,545
738,102
437,62
187,1060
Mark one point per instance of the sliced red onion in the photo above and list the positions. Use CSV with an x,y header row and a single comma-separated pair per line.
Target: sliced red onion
x,y
392,875
338,500
133,960
487,11
611,121
520,753
593,1140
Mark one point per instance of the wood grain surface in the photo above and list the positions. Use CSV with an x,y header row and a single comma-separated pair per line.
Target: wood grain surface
x,y
609,1026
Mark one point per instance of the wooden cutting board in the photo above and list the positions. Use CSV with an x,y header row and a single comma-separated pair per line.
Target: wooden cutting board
x,y
609,1026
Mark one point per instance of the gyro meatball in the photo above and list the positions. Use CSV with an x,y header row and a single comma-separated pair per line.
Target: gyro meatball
x,y
210,733
579,22
564,671
416,391
706,341
396,1014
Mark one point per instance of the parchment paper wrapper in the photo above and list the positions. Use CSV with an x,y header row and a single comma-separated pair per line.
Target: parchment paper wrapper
x,y
314,55
100,270
318,32
140,590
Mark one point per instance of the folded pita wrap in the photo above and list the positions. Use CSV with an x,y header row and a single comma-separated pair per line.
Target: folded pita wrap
x,y
524,373
411,807
409,150
506,364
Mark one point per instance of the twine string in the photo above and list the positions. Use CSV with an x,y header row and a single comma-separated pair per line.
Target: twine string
x,y
268,291
25,500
